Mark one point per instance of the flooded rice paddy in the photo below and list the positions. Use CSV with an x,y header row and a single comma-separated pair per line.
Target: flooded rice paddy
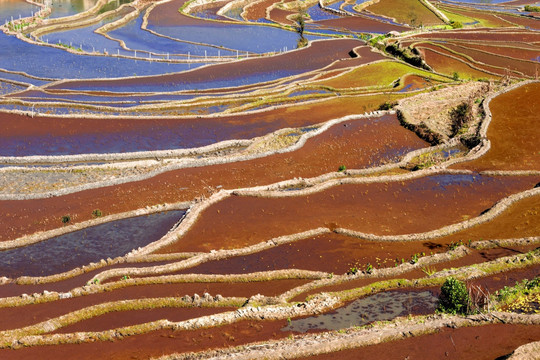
x,y
65,252
379,307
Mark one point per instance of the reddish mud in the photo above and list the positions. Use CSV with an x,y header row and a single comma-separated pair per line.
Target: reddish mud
x,y
331,74
415,274
156,343
331,253
491,283
490,18
519,220
211,8
514,132
118,319
319,54
448,65
352,145
365,55
379,208
480,256
522,21
477,342
65,285
280,16
473,65
13,125
358,23
167,14
525,67
416,82
16,317
496,282
405,11
504,36
257,10
443,60
520,52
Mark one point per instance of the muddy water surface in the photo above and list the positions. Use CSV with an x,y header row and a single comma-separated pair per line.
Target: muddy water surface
x,y
331,253
379,307
478,342
339,146
381,208
26,315
157,343
514,132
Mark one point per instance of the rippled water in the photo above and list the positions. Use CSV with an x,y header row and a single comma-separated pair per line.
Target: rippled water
x,y
48,62
139,39
14,8
251,38
65,252
378,307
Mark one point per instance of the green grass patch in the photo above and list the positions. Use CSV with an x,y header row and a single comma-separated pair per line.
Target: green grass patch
x,y
457,17
381,74
524,297
481,18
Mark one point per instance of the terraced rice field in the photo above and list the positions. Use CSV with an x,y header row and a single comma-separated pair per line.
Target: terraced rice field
x,y
193,179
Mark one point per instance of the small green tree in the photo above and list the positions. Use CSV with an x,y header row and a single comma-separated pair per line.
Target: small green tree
x,y
300,27
456,24
454,298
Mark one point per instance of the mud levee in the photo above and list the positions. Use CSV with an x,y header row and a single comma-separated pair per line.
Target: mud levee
x,y
313,158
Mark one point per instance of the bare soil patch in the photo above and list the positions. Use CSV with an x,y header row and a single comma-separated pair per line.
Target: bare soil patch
x,y
513,132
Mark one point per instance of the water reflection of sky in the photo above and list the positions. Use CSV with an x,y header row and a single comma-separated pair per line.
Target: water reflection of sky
x,y
65,252
247,38
14,8
48,62
139,39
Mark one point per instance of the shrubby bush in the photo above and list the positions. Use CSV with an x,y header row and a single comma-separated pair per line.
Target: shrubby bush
x,y
454,298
